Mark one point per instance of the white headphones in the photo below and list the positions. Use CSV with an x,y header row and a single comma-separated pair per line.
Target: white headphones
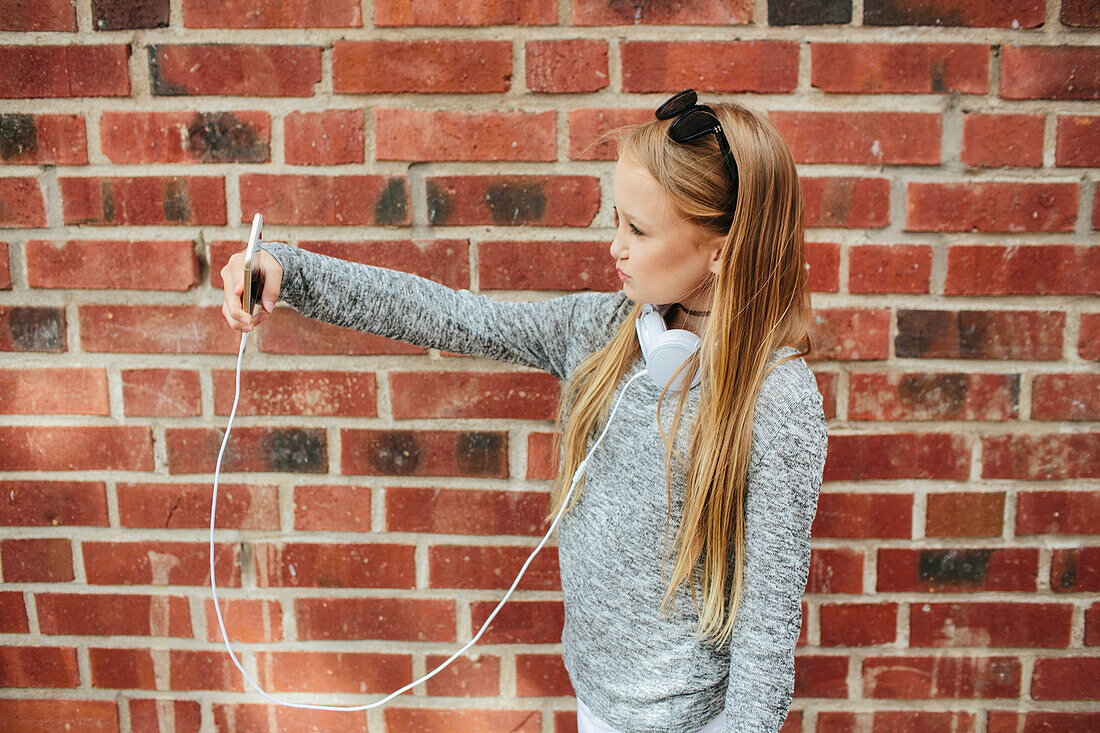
x,y
664,349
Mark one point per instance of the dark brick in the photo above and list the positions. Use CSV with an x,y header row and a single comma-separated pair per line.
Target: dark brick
x,y
809,12
117,15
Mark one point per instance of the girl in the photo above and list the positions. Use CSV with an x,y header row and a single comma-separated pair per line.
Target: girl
x,y
685,550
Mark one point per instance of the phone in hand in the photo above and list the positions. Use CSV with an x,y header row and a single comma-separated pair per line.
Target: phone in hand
x,y
252,293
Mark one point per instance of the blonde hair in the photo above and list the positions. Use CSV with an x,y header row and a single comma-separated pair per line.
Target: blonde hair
x,y
759,301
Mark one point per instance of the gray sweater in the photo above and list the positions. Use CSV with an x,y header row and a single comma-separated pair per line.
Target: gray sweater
x,y
636,668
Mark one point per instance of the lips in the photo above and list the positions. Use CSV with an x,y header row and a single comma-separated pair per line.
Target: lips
x,y
622,275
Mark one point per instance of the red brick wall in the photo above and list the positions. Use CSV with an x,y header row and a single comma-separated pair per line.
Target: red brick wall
x,y
379,497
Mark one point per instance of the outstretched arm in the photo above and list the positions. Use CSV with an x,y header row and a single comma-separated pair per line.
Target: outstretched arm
x,y
780,503
419,311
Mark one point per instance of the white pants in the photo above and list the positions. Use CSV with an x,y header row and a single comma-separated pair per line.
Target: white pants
x,y
589,723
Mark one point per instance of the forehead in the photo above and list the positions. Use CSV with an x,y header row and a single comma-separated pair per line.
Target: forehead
x,y
638,193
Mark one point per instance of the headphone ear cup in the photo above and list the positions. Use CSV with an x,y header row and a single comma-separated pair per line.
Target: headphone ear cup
x,y
664,350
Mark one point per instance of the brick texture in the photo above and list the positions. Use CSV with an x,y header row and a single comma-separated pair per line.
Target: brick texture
x,y
377,497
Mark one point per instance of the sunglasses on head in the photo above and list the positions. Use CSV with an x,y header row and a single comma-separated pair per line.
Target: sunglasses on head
x,y
693,120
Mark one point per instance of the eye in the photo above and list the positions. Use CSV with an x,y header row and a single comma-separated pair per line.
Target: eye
x,y
636,231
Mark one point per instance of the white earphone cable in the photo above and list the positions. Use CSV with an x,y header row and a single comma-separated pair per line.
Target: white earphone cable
x,y
344,708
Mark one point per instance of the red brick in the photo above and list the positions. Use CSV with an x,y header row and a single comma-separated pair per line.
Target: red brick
x,y
1080,13
1050,72
1077,141
846,202
468,721
159,563
465,677
1075,570
543,456
844,334
445,261
45,391
178,506
328,137
824,273
957,571
38,666
100,70
896,721
868,138
40,503
428,135
13,613
332,508
32,329
204,670
564,66
993,206
864,515
150,715
82,716
22,203
246,620
144,200
464,566
5,269
513,395
290,333
292,450
297,392
587,125
43,15
1013,14
820,676
1046,625
835,571
113,615
891,456
336,565
542,675
421,66
520,622
267,719
710,66
112,265
858,624
466,511
186,137
46,560
1043,269
1053,722
1088,344
933,396
566,722
508,265
164,329
911,678
907,68
1042,457
76,448
965,514
1065,397
250,14
551,201
44,139
122,669
1058,513
1071,678
1002,140
235,70
390,619
884,268
366,200
161,393
465,13
942,334
708,12
424,453
348,672
1092,625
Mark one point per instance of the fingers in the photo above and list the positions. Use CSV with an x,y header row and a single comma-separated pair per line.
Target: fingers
x,y
233,286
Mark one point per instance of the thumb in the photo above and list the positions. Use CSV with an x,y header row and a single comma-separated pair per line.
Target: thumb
x,y
272,280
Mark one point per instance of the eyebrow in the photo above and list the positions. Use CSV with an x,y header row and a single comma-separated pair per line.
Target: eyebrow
x,y
631,217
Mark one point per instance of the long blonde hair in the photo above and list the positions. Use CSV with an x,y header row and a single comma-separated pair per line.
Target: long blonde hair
x,y
759,302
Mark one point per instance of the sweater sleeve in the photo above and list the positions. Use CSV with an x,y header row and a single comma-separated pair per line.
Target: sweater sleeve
x,y
418,311
781,501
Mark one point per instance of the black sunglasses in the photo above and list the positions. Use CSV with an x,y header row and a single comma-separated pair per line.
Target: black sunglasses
x,y
694,121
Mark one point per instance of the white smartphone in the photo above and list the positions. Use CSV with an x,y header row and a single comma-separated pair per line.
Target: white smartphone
x,y
249,298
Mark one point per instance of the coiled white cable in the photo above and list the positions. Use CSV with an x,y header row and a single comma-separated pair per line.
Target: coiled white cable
x,y
346,708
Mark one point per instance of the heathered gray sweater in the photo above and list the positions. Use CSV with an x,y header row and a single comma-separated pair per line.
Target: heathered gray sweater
x,y
637,670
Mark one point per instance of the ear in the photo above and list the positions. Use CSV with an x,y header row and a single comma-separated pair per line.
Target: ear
x,y
715,263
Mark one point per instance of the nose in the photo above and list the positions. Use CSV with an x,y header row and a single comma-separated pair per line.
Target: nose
x,y
618,250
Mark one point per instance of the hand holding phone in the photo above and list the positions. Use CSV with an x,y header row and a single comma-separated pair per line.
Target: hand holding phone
x,y
250,277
